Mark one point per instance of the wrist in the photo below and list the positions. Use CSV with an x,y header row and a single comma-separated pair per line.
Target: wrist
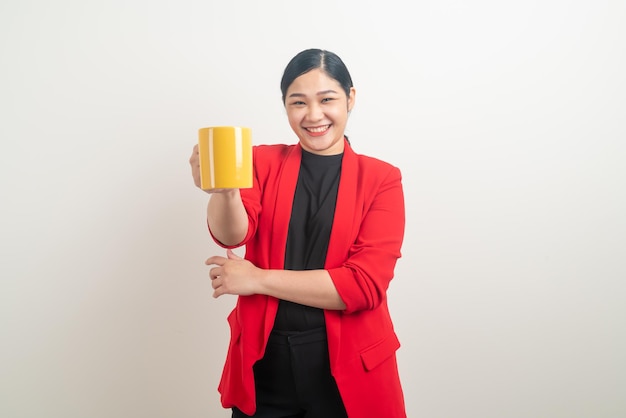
x,y
262,281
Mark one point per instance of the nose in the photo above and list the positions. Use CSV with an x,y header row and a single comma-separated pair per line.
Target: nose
x,y
315,112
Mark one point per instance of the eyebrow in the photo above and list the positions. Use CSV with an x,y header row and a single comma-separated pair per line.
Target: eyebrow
x,y
319,93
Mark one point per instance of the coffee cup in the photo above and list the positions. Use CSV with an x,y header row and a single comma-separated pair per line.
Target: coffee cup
x,y
225,154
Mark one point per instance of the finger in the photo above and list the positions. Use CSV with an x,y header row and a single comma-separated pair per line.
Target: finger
x,y
214,273
232,256
217,289
216,259
194,155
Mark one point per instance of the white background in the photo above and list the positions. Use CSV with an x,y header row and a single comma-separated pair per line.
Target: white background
x,y
507,119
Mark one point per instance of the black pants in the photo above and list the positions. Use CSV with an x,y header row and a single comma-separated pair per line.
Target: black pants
x,y
293,379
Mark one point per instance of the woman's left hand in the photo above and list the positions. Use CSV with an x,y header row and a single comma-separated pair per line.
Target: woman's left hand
x,y
233,275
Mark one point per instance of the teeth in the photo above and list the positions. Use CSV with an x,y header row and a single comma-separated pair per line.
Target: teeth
x,y
320,129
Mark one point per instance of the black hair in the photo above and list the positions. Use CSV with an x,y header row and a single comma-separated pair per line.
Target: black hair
x,y
311,59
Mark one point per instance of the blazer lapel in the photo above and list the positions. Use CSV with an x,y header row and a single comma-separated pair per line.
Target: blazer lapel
x,y
345,222
284,202
347,216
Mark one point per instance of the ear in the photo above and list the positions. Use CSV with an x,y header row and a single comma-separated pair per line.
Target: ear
x,y
351,98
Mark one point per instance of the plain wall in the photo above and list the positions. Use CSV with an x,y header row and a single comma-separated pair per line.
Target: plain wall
x,y
507,119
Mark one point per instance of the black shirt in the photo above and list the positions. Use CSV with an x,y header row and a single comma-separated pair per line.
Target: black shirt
x,y
309,232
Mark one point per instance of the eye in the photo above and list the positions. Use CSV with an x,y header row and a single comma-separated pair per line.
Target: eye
x,y
297,103
327,99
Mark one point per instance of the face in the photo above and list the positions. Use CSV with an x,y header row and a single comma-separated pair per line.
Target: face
x,y
317,108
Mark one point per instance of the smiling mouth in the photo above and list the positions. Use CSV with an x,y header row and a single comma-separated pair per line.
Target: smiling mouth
x,y
318,129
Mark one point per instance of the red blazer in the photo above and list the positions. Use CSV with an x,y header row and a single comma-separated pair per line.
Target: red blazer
x,y
364,246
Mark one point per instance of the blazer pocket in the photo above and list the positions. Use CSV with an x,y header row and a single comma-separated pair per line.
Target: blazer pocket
x,y
379,352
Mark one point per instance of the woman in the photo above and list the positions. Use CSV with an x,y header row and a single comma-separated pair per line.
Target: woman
x,y
311,334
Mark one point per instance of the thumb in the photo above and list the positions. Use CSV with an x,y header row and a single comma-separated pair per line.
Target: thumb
x,y
232,256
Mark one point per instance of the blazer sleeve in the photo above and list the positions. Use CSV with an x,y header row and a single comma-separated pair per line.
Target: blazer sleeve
x,y
363,279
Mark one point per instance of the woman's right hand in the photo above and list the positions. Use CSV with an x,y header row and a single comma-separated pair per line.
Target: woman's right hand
x,y
194,161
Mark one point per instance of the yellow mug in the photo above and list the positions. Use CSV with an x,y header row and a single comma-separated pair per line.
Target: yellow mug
x,y
225,157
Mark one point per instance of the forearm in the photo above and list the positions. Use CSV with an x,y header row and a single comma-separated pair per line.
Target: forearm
x,y
308,287
227,217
